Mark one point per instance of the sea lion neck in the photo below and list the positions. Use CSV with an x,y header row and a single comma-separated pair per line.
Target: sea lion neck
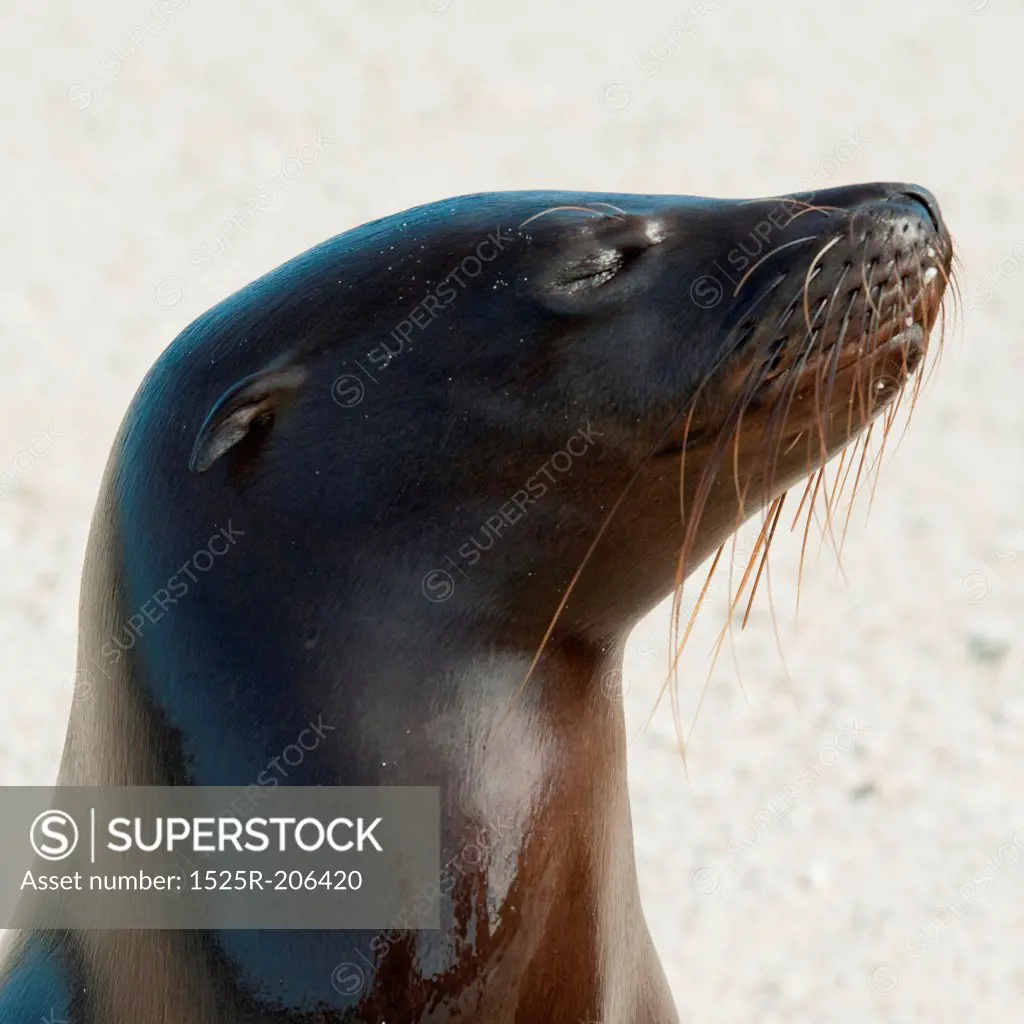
x,y
533,779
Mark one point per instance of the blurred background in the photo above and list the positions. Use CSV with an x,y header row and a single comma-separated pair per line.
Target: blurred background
x,y
844,843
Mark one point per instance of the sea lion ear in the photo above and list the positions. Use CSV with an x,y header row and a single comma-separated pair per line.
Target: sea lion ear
x,y
254,398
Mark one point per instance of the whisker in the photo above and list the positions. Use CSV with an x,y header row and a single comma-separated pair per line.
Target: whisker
x,y
561,209
611,206
821,409
774,512
803,548
860,468
778,638
810,274
768,256
689,628
832,504
800,507
807,207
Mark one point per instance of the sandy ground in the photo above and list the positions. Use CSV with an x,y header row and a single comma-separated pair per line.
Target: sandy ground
x,y
814,867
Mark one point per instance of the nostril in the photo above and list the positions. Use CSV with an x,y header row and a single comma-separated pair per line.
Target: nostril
x,y
928,201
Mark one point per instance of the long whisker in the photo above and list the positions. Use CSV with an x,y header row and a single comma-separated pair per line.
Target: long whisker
x,y
774,512
778,638
803,547
831,504
678,648
767,256
856,480
726,630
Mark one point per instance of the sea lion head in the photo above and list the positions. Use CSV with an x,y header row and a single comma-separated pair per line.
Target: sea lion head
x,y
443,358
519,407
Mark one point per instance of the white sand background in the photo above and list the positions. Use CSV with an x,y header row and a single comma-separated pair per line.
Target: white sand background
x,y
111,183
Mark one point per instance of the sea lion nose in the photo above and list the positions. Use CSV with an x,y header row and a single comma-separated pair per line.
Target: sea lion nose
x,y
928,201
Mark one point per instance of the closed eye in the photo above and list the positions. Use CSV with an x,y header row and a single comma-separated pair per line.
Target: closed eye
x,y
595,268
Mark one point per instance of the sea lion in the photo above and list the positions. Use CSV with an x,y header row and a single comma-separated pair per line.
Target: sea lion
x,y
414,487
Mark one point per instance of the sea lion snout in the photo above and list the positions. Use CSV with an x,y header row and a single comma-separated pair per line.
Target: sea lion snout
x,y
926,199
853,270
834,296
